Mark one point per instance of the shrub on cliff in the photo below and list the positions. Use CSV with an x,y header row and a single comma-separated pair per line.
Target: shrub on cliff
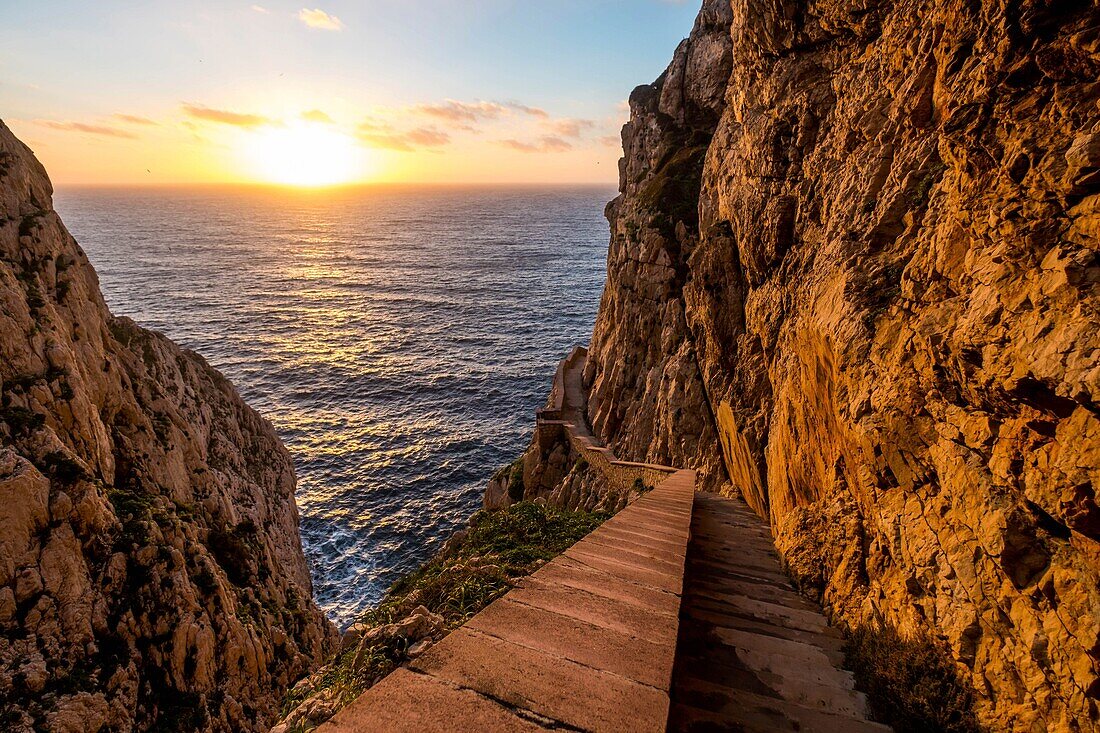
x,y
911,685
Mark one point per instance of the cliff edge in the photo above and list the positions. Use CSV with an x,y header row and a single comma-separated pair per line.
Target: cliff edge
x,y
151,572
853,276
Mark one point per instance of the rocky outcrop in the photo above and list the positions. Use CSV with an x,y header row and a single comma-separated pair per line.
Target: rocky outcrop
x,y
647,399
854,273
644,396
151,574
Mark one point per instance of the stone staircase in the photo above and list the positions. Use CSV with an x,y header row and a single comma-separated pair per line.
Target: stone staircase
x,y
753,655
674,615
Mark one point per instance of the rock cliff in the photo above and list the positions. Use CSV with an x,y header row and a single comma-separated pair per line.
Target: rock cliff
x,y
151,574
854,276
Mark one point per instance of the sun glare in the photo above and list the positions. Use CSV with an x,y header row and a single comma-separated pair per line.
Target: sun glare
x,y
305,154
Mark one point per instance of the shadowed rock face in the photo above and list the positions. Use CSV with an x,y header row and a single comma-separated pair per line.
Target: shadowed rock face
x,y
854,272
647,399
151,573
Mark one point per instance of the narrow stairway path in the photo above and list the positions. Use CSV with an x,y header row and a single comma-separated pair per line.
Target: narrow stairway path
x,y
752,654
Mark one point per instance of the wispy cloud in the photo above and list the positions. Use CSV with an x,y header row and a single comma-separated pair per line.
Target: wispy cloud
x,y
546,144
104,130
383,136
568,127
454,111
134,119
226,117
316,115
318,18
533,111
260,9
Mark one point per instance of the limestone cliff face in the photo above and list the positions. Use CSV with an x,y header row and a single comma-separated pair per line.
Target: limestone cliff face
x,y
647,400
854,273
151,574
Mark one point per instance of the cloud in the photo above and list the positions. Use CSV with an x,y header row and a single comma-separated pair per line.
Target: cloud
x,y
611,141
455,112
134,119
382,136
318,18
533,111
374,125
569,127
260,9
103,130
546,144
316,115
226,117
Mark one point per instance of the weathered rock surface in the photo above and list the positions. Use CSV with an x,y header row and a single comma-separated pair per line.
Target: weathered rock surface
x,y
854,273
648,401
151,574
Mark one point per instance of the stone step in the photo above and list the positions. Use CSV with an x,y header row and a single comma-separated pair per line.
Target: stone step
x,y
750,587
749,669
737,711
749,563
748,623
775,613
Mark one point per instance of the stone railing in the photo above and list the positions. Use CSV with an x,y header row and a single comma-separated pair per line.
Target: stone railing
x,y
564,416
585,643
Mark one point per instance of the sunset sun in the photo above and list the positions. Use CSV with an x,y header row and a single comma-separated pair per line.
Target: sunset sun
x,y
304,154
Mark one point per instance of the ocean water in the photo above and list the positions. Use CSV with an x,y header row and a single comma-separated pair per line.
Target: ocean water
x,y
399,339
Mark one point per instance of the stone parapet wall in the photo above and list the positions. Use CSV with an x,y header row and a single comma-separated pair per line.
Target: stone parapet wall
x,y
562,422
586,643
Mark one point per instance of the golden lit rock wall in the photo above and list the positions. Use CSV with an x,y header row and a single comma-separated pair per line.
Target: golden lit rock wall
x,y
854,272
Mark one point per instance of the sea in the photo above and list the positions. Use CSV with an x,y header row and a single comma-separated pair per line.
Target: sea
x,y
398,338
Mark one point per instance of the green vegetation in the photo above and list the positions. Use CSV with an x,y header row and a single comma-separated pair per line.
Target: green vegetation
x,y
911,685
673,187
29,223
133,511
515,480
922,190
473,569
498,546
123,332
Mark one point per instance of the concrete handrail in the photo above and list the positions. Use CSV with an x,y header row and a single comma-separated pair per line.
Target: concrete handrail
x,y
562,415
585,643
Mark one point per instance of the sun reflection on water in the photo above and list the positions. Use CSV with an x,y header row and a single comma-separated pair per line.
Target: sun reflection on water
x,y
398,339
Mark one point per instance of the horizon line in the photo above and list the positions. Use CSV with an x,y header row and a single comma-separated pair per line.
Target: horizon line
x,y
341,186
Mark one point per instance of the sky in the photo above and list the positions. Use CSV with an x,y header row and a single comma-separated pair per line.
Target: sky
x,y
418,91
